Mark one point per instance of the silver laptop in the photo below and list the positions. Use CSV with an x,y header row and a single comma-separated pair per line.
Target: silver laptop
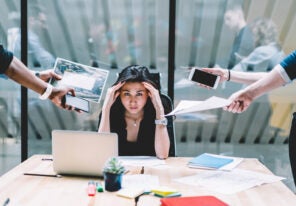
x,y
82,152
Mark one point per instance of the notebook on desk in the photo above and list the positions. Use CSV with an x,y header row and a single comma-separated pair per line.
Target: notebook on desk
x,y
82,152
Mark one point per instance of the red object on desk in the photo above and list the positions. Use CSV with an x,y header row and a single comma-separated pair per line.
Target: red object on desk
x,y
192,201
91,189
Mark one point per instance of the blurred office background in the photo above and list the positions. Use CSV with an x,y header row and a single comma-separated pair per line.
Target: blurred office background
x,y
112,34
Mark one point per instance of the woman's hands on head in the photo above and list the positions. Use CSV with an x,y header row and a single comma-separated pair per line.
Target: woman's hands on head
x,y
112,93
153,93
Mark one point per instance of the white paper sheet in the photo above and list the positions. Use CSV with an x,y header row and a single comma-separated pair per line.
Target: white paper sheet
x,y
140,181
141,161
228,182
187,106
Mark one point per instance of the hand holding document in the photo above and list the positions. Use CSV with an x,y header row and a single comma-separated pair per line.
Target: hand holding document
x,y
187,106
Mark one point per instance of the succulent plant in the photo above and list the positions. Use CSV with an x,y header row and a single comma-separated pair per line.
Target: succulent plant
x,y
114,166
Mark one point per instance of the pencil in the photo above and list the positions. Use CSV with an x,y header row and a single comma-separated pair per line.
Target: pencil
x,y
44,175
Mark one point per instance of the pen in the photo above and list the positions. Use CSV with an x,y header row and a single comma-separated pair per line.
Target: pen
x,y
47,159
6,202
44,175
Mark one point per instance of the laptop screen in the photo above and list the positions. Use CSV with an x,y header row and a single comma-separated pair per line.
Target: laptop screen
x,y
82,152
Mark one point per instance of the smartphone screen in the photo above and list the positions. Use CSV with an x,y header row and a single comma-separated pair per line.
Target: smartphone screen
x,y
78,103
204,78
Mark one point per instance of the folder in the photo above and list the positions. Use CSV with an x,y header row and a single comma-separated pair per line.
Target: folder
x,y
209,161
192,201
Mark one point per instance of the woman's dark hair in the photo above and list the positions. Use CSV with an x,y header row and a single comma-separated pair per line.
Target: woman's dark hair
x,y
135,73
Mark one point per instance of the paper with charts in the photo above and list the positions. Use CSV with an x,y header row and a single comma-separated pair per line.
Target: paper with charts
x,y
187,106
88,82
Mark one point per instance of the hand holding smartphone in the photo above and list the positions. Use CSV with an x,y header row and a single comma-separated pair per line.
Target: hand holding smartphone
x,y
78,103
205,78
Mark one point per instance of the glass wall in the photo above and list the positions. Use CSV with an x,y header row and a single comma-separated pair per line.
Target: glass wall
x,y
10,93
112,34
241,36
106,34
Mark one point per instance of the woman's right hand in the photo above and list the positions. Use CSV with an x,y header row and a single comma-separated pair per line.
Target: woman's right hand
x,y
111,95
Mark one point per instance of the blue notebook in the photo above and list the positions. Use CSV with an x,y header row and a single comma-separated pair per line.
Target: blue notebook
x,y
209,161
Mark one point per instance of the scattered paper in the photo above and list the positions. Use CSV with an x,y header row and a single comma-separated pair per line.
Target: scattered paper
x,y
187,106
140,181
141,161
228,182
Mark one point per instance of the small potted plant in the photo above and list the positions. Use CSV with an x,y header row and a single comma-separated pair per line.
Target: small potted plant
x,y
113,171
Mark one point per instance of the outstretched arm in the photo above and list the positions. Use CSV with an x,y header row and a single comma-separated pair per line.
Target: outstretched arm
x,y
243,98
236,76
18,72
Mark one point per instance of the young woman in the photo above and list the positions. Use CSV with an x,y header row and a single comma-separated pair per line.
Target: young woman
x,y
133,109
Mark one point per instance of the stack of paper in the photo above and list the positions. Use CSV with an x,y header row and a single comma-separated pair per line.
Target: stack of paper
x,y
130,192
163,191
211,161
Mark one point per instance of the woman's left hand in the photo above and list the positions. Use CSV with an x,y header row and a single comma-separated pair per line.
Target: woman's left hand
x,y
153,93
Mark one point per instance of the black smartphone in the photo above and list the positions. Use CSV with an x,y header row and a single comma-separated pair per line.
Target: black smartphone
x,y
77,102
205,78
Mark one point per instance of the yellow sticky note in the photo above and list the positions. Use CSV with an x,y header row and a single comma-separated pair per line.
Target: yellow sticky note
x,y
163,190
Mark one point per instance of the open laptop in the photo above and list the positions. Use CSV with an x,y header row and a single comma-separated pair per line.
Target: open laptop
x,y
82,152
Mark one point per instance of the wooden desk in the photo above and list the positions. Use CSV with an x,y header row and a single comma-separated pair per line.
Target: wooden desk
x,y
52,191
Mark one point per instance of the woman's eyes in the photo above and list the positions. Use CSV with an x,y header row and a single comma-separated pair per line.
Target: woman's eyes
x,y
137,94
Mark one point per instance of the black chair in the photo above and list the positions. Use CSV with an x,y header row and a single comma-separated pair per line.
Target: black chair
x,y
292,147
168,107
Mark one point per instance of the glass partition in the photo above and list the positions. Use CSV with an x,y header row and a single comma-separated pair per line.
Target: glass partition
x,y
243,36
112,34
106,34
10,144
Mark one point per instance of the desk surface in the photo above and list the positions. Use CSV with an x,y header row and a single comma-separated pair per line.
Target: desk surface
x,y
35,190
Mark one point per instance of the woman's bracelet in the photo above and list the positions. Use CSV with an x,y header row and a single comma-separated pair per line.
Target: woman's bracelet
x,y
228,75
47,92
37,74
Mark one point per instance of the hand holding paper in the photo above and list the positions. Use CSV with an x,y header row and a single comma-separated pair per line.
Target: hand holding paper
x,y
187,106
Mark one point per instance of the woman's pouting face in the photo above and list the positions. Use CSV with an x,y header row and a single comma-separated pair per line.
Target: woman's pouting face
x,y
133,96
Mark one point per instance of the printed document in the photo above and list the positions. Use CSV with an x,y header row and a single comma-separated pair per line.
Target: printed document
x,y
187,106
228,182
